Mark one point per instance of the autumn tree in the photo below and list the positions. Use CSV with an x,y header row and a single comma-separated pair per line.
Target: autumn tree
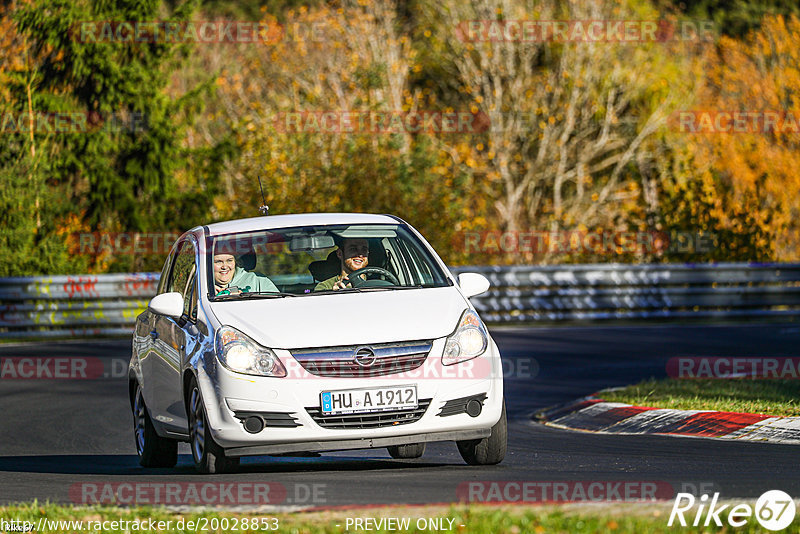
x,y
569,119
129,169
740,179
354,57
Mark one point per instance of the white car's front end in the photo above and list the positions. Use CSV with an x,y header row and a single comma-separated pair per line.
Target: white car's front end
x,y
448,392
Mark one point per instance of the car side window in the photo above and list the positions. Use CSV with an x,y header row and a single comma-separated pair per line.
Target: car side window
x,y
190,297
162,281
183,268
420,267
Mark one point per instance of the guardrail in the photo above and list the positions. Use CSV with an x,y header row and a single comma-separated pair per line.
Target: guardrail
x,y
58,306
108,304
617,291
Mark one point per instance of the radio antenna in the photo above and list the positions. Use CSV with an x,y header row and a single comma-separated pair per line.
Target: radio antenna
x,y
264,209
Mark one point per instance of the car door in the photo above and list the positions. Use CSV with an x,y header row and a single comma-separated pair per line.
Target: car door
x,y
187,338
169,343
145,336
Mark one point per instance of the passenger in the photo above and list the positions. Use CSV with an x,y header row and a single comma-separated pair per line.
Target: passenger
x,y
228,275
353,255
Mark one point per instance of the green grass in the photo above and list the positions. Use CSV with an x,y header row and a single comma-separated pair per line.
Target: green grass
x,y
520,519
771,397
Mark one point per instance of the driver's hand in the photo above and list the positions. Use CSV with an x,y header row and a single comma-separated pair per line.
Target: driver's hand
x,y
341,284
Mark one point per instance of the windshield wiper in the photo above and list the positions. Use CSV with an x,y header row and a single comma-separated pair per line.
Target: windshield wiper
x,y
255,294
346,290
269,294
404,287
418,286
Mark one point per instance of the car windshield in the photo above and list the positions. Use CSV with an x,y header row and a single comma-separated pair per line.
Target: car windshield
x,y
309,260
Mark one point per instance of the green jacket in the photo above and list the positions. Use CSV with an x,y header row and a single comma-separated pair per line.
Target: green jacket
x,y
328,284
256,282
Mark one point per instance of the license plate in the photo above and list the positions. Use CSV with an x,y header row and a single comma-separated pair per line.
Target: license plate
x,y
368,400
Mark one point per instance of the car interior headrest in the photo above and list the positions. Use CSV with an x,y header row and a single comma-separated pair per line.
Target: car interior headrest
x,y
248,260
321,270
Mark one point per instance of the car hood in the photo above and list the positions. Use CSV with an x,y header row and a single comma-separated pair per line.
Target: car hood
x,y
345,318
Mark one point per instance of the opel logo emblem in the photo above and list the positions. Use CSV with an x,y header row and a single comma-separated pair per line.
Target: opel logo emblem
x,y
364,356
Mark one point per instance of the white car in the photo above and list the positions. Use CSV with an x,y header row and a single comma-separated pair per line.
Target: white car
x,y
393,356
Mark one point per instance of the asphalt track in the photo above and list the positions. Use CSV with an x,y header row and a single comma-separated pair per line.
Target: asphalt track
x,y
58,434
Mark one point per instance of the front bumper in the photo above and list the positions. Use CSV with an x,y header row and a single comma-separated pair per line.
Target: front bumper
x,y
348,444
225,393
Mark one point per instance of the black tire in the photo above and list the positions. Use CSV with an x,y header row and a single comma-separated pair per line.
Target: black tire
x,y
209,457
487,451
153,450
405,452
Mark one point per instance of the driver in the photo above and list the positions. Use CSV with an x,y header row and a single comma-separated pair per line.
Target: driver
x,y
353,255
228,275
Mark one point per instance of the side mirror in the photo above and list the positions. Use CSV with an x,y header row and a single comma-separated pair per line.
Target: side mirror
x,y
473,284
169,304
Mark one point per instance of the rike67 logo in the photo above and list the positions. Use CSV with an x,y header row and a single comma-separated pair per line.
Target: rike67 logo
x,y
774,510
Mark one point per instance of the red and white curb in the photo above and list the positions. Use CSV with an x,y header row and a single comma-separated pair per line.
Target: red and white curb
x,y
596,415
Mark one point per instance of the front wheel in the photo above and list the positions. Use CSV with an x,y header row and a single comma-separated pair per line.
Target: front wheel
x,y
209,457
404,452
487,451
153,450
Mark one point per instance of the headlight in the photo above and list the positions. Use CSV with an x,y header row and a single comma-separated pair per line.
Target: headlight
x,y
468,341
239,353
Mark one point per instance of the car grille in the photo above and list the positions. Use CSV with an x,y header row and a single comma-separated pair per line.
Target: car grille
x,y
369,419
390,358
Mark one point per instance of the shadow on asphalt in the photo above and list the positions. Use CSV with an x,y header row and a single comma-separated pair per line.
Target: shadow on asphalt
x,y
128,464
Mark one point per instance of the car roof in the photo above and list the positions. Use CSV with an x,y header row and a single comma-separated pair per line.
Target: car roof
x,y
304,219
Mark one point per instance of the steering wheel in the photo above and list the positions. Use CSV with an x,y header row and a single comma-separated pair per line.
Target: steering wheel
x,y
357,281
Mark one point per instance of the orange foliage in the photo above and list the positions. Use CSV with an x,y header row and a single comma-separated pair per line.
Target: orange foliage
x,y
13,50
756,172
